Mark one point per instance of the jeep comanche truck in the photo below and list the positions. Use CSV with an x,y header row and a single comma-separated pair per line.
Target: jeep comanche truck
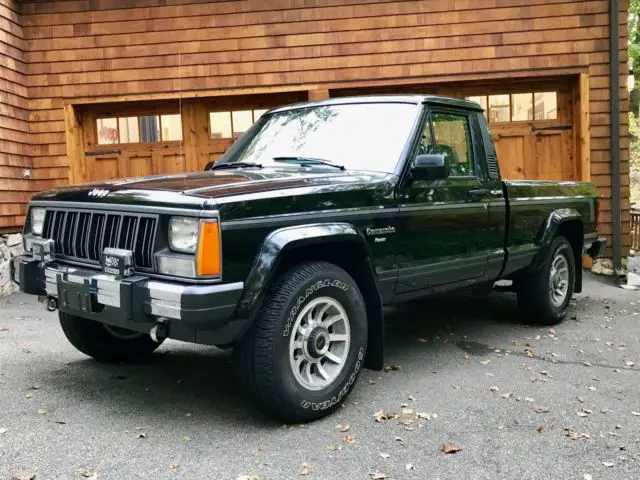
x,y
288,247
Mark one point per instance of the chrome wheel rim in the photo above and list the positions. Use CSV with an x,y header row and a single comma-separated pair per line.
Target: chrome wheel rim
x,y
319,343
559,280
121,333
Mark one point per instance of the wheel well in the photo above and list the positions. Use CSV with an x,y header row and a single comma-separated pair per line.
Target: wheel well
x,y
572,230
351,256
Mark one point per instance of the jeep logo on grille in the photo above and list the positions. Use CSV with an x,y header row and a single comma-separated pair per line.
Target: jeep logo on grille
x,y
97,192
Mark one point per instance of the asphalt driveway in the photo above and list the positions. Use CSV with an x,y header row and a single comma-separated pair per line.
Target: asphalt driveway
x,y
521,402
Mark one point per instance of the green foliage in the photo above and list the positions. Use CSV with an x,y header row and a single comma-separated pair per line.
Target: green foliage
x,y
634,37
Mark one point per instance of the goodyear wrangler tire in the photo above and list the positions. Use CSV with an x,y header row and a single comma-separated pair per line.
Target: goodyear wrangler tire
x,y
105,343
302,357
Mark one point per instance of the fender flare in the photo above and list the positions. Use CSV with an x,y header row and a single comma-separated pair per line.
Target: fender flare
x,y
547,233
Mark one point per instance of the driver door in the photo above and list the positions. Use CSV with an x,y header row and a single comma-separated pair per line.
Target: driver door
x,y
441,222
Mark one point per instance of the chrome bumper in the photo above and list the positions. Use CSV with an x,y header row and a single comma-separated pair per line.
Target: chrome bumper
x,y
137,298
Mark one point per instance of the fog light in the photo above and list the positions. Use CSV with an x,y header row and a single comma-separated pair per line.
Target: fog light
x,y
177,266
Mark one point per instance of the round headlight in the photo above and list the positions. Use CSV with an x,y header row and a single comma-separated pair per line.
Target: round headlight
x,y
183,234
37,220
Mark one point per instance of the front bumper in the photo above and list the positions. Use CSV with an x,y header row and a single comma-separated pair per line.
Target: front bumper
x,y
130,302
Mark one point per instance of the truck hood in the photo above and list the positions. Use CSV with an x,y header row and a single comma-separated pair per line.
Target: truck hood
x,y
219,186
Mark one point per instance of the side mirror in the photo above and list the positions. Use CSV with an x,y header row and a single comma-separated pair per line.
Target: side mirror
x,y
430,167
209,165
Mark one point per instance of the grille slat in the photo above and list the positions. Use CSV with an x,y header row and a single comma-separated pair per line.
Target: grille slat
x,y
81,236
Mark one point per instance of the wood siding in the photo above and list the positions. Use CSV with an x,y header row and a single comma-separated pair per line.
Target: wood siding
x,y
14,118
81,51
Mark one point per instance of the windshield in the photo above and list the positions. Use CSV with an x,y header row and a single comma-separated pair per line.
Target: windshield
x,y
366,136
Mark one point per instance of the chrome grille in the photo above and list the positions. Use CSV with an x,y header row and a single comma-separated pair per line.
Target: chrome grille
x,y
82,236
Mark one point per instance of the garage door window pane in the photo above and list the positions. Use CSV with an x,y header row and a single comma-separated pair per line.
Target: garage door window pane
x,y
107,131
481,100
499,108
257,114
242,121
220,124
171,127
546,106
521,107
129,132
150,128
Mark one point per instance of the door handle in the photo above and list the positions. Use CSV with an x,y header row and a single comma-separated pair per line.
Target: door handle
x,y
478,192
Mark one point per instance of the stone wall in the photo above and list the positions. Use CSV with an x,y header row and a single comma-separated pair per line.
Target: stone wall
x,y
10,246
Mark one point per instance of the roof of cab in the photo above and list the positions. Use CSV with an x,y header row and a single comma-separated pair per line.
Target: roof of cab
x,y
415,99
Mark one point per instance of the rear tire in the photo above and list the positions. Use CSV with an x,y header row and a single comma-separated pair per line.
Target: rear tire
x,y
301,358
544,296
105,343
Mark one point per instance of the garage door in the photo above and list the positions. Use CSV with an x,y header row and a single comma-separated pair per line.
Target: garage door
x,y
533,132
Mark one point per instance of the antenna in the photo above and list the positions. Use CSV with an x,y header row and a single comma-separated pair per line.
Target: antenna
x,y
182,156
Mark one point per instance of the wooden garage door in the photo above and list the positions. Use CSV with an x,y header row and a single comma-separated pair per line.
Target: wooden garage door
x,y
533,132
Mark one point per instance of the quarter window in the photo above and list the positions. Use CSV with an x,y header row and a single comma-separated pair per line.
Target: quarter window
x,y
139,129
453,140
518,107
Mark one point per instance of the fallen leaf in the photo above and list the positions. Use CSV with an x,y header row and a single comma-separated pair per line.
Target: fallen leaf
x,y
586,410
485,362
343,427
607,464
333,448
422,340
587,364
381,416
186,439
141,435
637,414
23,476
174,466
407,411
83,472
629,364
34,387
399,439
571,434
385,455
408,466
305,469
411,398
618,427
378,476
466,356
592,388
392,367
424,416
580,399
507,395
528,399
3,430
450,448
586,476
60,422
42,411
372,382
28,395
350,438
582,414
541,409
494,389
405,421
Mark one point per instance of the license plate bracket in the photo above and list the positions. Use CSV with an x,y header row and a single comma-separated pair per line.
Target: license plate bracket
x,y
76,298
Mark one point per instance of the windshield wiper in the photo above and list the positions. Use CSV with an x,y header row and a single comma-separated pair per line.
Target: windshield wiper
x,y
222,166
303,161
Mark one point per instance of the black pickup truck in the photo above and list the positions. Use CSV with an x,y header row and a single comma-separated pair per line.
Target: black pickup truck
x,y
288,247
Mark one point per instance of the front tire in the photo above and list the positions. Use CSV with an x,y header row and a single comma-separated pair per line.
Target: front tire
x,y
544,296
300,360
106,343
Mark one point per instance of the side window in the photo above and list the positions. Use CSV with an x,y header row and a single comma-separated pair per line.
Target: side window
x,y
453,140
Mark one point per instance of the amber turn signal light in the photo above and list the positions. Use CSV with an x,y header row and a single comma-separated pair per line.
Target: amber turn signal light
x,y
209,249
